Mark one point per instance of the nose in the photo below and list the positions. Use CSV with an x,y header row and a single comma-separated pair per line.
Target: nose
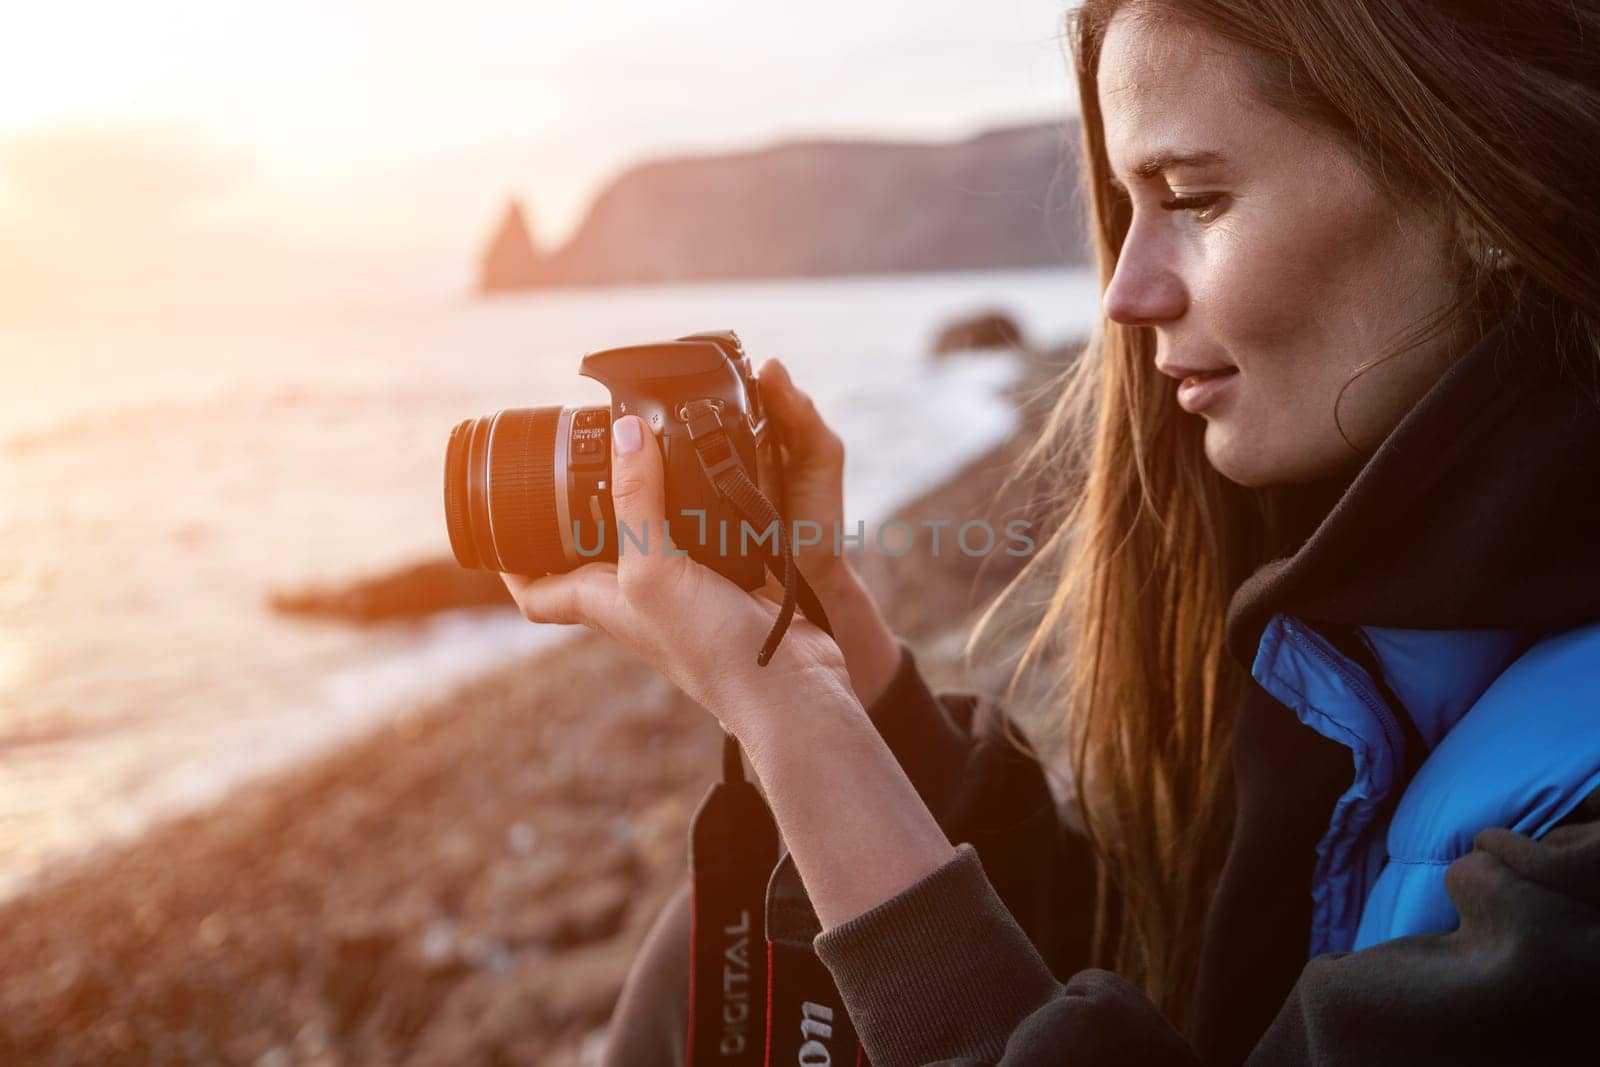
x,y
1144,289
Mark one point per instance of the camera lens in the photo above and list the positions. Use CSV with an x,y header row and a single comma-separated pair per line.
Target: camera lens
x,y
500,491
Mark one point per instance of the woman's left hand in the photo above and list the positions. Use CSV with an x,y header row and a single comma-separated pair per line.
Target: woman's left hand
x,y
697,628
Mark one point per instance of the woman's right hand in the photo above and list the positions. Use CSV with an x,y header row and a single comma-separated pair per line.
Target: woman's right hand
x,y
813,477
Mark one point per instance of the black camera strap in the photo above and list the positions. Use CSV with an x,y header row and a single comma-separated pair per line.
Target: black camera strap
x,y
769,1001
733,844
723,468
806,1019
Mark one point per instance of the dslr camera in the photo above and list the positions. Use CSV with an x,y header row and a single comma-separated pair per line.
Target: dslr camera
x,y
528,490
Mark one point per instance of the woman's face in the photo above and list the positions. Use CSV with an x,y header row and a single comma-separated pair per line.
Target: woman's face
x,y
1269,264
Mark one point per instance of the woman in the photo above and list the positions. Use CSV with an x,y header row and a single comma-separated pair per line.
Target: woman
x,y
1327,593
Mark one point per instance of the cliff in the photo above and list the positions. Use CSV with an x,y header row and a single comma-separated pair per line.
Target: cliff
x,y
1003,199
510,261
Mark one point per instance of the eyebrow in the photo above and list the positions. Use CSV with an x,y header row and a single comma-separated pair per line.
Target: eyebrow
x,y
1153,166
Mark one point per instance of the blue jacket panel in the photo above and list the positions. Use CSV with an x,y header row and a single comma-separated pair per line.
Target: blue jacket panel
x,y
1509,739
1524,755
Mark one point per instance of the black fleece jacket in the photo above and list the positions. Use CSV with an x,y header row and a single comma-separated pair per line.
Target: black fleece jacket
x,y
1482,508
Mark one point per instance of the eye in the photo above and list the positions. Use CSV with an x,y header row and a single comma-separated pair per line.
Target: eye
x,y
1204,207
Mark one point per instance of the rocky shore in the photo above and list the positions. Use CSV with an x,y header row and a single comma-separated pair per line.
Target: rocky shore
x,y
466,886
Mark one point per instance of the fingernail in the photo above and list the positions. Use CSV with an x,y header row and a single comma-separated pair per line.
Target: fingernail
x,y
628,433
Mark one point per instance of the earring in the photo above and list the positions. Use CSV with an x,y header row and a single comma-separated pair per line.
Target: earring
x,y
1492,257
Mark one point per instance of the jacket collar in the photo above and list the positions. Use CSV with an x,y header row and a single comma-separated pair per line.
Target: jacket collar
x,y
1478,511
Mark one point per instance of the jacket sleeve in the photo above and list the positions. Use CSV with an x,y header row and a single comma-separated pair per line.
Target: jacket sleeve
x,y
942,974
962,755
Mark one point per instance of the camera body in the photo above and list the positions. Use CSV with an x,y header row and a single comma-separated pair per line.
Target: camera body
x,y
528,490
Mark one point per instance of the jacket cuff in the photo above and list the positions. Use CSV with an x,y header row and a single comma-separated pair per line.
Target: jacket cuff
x,y
940,971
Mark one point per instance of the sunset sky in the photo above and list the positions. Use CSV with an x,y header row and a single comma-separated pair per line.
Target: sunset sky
x,y
161,153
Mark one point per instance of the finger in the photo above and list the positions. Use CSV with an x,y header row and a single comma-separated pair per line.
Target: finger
x,y
805,433
583,597
639,497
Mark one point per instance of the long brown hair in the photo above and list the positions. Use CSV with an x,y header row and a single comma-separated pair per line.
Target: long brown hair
x,y
1491,107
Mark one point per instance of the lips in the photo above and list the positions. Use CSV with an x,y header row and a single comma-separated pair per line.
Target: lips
x,y
1199,390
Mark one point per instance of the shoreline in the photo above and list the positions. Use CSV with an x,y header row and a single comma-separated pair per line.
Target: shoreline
x,y
468,883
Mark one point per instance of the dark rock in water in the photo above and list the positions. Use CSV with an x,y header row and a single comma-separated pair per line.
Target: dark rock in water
x,y
511,261
413,592
992,329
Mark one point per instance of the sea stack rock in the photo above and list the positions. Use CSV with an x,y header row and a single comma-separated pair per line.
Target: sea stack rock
x,y
510,261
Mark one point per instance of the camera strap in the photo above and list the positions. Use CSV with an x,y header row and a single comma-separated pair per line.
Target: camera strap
x,y
806,1018
758,994
748,1007
723,468
733,844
